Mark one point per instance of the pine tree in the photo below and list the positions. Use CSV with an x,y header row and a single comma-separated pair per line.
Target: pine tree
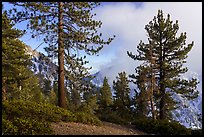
x,y
75,99
105,97
146,82
77,76
52,97
68,27
14,60
30,89
90,96
19,82
141,100
169,54
121,99
89,104
44,83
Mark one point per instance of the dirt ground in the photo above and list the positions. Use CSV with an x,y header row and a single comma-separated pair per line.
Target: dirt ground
x,y
71,128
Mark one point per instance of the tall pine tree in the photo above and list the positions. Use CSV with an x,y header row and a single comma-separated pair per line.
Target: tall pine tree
x,y
170,53
68,27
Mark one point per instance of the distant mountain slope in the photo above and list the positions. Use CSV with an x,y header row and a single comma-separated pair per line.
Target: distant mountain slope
x,y
42,65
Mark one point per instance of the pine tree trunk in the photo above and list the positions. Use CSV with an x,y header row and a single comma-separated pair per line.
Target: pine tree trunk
x,y
152,107
151,95
162,111
162,101
4,90
61,90
162,86
152,86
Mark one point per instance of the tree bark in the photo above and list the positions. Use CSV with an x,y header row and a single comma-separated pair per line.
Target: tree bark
x,y
3,89
61,90
162,101
152,85
162,86
162,106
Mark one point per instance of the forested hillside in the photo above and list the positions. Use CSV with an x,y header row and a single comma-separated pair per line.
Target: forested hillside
x,y
41,91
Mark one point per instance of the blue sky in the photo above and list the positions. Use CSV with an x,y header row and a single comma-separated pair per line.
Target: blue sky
x,y
126,20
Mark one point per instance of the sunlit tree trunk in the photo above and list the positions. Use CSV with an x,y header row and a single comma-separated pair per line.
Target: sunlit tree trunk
x,y
3,89
61,91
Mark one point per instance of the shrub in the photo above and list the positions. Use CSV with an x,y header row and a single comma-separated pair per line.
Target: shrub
x,y
196,132
161,127
8,128
41,111
26,117
111,116
25,126
30,118
87,118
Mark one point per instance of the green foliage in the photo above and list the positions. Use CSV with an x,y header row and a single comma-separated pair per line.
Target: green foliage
x,y
90,105
8,127
41,111
161,127
30,90
79,27
45,85
75,99
25,126
69,29
116,111
87,118
19,82
105,97
86,112
15,63
163,57
111,116
52,97
141,104
122,101
196,132
26,117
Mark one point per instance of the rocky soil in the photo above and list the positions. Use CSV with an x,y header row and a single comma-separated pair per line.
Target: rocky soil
x,y
71,128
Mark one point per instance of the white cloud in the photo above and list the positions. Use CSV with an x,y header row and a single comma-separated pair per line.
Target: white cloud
x,y
127,22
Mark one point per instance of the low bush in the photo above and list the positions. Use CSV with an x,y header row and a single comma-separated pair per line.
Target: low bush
x,y
161,127
25,126
31,118
87,118
196,132
41,111
8,128
111,116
